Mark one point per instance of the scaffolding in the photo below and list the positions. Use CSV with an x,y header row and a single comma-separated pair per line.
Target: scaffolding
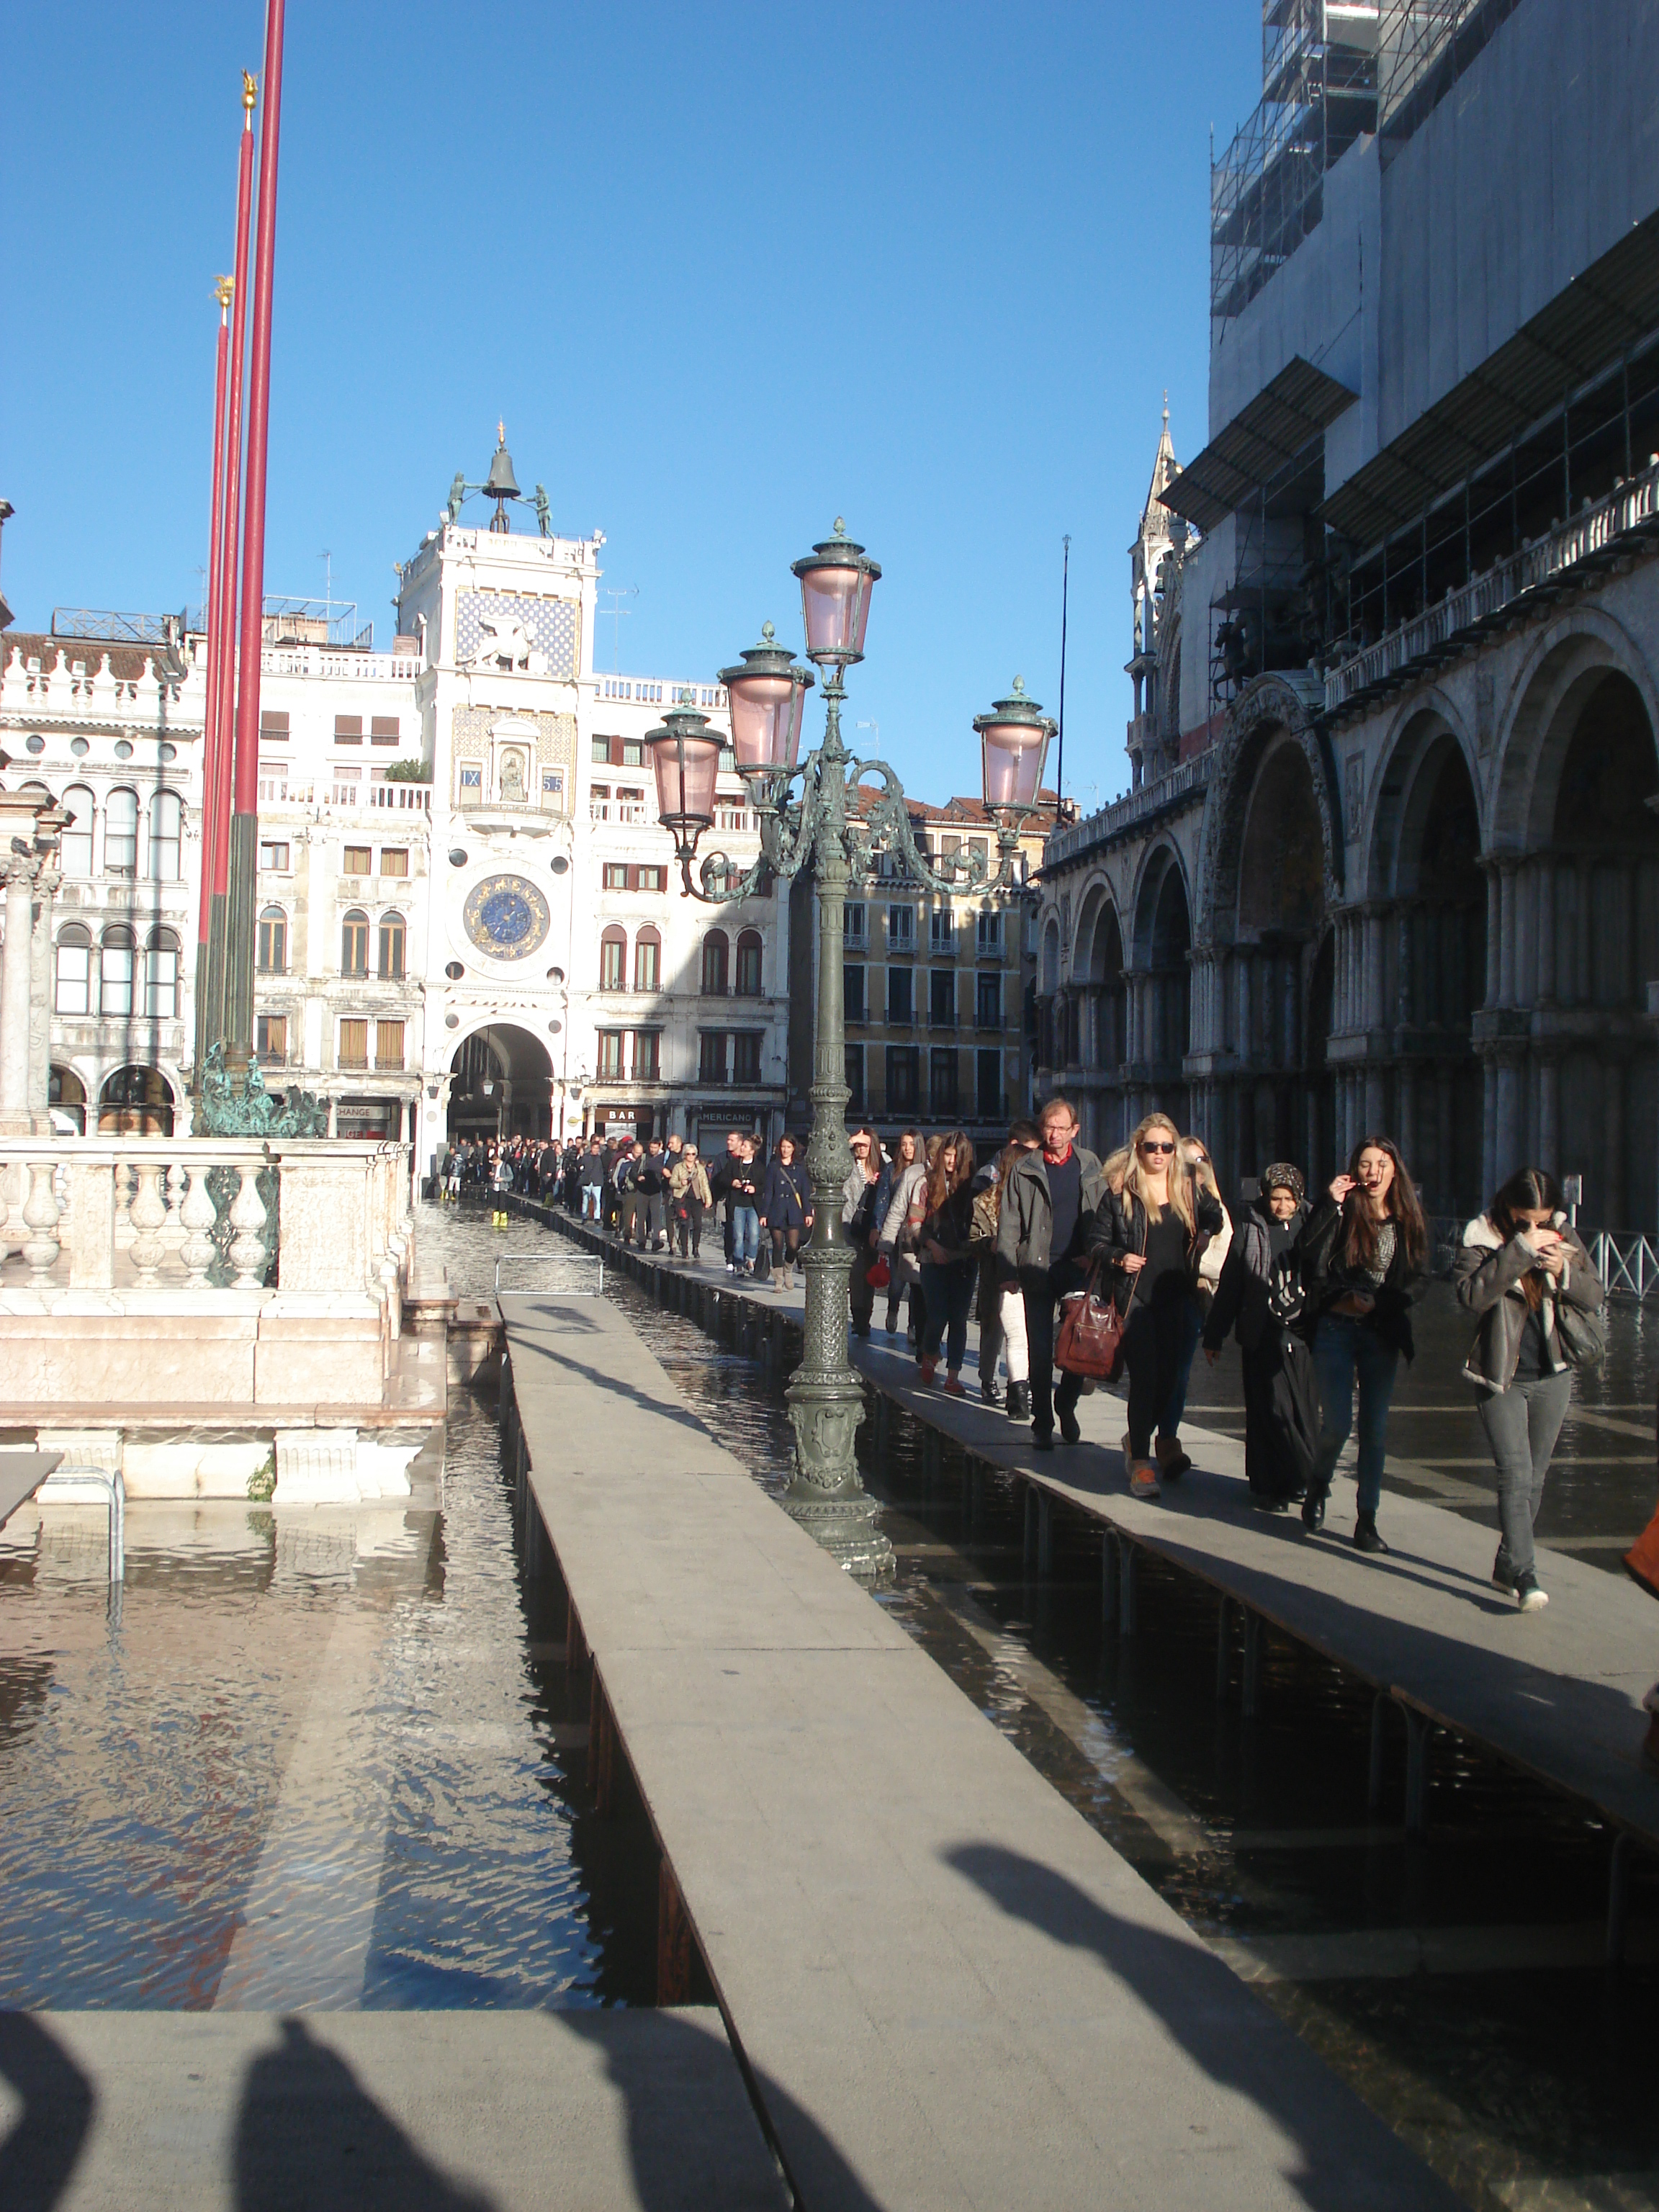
x,y
1423,47
104,626
1318,95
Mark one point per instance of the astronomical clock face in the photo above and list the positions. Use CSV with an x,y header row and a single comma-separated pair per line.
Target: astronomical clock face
x,y
506,917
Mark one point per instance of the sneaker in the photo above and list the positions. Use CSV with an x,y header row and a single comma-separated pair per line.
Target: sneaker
x,y
1143,1481
929,1368
1528,1596
953,1387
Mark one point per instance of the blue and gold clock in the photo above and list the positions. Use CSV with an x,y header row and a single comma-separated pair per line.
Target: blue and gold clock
x,y
506,917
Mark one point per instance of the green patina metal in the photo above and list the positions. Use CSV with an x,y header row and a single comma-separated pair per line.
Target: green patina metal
x,y
222,1111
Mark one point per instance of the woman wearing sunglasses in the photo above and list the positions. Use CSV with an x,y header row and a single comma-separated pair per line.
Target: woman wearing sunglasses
x,y
1149,1229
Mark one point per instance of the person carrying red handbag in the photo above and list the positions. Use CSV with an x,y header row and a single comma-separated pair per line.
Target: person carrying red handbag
x,y
1050,1197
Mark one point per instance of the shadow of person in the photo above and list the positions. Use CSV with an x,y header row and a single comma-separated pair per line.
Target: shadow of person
x,y
308,2134
39,2154
700,2119
1349,2160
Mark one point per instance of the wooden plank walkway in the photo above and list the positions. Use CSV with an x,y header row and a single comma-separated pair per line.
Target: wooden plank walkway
x,y
948,1989
1557,1694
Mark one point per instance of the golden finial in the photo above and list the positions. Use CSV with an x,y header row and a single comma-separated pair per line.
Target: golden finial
x,y
224,291
250,91
500,430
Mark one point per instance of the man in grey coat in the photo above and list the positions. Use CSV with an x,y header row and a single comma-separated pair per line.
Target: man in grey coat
x,y
1050,1195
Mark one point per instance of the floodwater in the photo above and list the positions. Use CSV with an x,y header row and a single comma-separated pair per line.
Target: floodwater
x,y
1456,1979
325,1757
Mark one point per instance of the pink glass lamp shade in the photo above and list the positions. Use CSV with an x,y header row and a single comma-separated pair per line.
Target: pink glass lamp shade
x,y
836,579
768,694
686,762
1015,735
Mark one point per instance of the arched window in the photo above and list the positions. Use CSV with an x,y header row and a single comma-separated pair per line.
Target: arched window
x,y
161,975
115,988
613,959
74,983
647,960
353,943
77,836
391,948
121,833
164,819
273,941
136,1101
716,951
749,964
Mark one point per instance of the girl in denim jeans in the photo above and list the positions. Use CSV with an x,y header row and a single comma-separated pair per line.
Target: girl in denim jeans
x,y
1364,1257
743,1196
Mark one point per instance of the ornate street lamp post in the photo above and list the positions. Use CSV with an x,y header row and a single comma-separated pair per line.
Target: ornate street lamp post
x,y
840,844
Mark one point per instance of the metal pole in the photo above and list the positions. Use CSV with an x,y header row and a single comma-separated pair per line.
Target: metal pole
x,y
210,1020
213,734
1065,601
825,1399
245,815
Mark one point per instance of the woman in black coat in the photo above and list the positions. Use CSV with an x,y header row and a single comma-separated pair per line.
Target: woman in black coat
x,y
1256,1296
1149,1229
786,1209
1364,1261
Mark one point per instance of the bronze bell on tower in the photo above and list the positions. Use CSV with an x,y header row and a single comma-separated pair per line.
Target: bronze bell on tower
x,y
501,484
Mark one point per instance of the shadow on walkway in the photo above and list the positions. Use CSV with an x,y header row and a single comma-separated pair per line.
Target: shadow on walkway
x,y
39,2154
1349,2162
308,2134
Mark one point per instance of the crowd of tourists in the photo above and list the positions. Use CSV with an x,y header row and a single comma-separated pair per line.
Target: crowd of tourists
x,y
1318,1291
1318,1294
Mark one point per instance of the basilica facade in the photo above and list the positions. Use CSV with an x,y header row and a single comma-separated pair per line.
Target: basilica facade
x,y
1389,858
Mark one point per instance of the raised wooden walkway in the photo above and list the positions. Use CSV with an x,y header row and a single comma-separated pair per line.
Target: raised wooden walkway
x,y
1556,1694
946,1988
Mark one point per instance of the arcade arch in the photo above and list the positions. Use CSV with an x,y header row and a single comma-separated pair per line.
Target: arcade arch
x,y
500,1084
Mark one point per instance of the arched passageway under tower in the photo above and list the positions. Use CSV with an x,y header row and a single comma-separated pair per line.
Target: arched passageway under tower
x,y
500,1084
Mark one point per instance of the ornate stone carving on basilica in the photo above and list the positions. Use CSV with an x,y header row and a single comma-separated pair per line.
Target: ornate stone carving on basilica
x,y
516,633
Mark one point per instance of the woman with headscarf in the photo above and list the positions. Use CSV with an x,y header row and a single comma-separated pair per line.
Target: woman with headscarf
x,y
1258,1297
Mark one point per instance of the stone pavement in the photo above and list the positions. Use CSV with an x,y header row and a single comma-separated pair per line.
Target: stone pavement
x,y
949,1990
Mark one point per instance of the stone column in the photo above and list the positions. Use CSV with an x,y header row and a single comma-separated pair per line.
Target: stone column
x,y
1375,1012
1585,947
18,870
40,991
333,1115
1506,932
1544,870
1549,1112
1613,1141
1494,932
1510,1133
1489,1123
1445,1164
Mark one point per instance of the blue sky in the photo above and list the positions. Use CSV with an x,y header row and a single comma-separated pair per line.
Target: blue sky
x,y
725,271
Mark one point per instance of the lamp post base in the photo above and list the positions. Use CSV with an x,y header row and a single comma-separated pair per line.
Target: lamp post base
x,y
845,1527
826,1403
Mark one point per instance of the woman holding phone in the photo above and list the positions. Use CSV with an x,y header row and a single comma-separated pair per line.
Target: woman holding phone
x,y
1523,1271
1365,1257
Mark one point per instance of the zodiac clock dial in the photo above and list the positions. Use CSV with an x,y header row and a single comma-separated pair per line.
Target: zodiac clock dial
x,y
506,917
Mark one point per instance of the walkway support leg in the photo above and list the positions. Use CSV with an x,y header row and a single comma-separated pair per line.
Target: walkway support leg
x,y
1250,1697
1045,1545
1380,1705
1417,1732
1618,1897
1224,1654
1108,1578
1029,1550
1126,1587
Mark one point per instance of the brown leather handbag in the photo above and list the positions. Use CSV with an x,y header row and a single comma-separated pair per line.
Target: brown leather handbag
x,y
1091,1341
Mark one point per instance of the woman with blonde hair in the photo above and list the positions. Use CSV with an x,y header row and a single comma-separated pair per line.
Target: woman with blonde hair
x,y
948,1260
1149,1231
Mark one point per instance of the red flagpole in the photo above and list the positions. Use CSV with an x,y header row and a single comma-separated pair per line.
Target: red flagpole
x,y
212,733
245,817
222,651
